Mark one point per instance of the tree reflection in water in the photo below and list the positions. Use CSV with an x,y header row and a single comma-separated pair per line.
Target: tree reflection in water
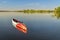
x,y
57,15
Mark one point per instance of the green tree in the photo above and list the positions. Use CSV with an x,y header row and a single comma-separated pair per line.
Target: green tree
x,y
57,9
57,12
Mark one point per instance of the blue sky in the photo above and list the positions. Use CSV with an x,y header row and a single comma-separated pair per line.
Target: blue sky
x,y
28,4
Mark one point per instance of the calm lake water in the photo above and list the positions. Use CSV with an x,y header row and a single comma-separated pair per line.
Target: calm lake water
x,y
40,26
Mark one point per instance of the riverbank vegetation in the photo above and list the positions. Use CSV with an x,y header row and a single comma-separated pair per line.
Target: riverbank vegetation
x,y
35,11
56,10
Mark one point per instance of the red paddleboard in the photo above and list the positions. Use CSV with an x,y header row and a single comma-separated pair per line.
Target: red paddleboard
x,y
19,25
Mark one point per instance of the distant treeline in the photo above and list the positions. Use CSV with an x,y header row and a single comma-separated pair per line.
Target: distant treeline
x,y
34,11
39,11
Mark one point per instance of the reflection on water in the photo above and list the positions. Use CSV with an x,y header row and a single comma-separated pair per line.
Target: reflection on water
x,y
54,14
41,26
57,15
